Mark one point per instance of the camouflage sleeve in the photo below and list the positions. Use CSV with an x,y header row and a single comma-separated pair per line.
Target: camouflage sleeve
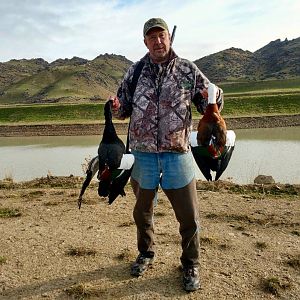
x,y
200,96
124,95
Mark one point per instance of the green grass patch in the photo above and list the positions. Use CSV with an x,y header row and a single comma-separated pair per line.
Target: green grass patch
x,y
2,260
262,105
262,86
259,105
51,113
57,83
9,213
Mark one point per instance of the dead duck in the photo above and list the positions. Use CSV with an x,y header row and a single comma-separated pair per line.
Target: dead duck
x,y
214,146
208,163
119,178
118,185
212,127
110,152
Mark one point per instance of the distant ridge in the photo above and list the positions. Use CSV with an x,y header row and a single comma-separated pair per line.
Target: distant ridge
x,y
79,80
63,80
277,60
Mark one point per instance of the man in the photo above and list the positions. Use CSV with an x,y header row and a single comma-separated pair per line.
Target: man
x,y
160,126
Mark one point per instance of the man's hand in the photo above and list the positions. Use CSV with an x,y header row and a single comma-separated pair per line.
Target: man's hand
x,y
204,93
212,91
115,103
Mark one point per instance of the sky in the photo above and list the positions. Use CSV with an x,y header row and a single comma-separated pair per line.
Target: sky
x,y
52,29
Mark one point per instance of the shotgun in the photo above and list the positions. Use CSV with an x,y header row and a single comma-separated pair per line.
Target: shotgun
x,y
173,34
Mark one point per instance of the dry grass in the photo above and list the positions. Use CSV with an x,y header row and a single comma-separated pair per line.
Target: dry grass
x,y
80,291
8,177
51,203
57,193
240,228
127,224
211,216
294,262
274,285
160,214
80,251
261,245
126,255
207,240
34,194
295,232
225,246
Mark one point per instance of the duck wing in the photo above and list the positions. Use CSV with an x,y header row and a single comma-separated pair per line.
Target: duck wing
x,y
202,161
110,155
224,161
103,188
118,184
92,169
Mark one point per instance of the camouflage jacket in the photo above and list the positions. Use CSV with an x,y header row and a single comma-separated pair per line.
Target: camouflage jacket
x,y
160,109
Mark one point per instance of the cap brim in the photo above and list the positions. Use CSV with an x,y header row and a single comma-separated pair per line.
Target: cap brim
x,y
156,26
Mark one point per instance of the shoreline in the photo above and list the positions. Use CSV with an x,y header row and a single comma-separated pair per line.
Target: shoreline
x,y
121,128
75,182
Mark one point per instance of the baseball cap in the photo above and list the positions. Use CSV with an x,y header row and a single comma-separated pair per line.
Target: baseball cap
x,y
155,22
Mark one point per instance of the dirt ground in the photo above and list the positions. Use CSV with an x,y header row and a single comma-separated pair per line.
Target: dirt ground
x,y
250,243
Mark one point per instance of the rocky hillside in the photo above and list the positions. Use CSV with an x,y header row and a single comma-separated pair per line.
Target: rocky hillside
x,y
81,80
277,60
16,70
76,79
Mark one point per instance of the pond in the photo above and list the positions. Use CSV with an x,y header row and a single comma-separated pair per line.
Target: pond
x,y
267,151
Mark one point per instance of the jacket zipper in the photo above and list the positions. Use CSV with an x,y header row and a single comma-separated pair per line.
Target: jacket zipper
x,y
158,86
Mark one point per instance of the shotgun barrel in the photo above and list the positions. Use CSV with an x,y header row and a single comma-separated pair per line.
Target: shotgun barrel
x,y
173,34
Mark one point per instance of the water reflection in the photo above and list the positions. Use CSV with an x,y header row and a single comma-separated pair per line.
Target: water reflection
x,y
50,141
270,134
272,151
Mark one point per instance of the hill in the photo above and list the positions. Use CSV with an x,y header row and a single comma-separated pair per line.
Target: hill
x,y
79,80
16,70
277,60
64,80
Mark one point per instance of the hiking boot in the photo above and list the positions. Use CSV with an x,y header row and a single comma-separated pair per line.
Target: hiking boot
x,y
191,280
141,265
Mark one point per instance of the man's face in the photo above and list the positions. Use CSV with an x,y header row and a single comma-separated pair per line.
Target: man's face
x,y
158,43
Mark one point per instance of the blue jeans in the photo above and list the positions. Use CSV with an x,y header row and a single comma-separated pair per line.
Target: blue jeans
x,y
175,173
170,170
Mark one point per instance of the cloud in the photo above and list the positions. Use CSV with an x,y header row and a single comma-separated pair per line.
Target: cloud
x,y
54,29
